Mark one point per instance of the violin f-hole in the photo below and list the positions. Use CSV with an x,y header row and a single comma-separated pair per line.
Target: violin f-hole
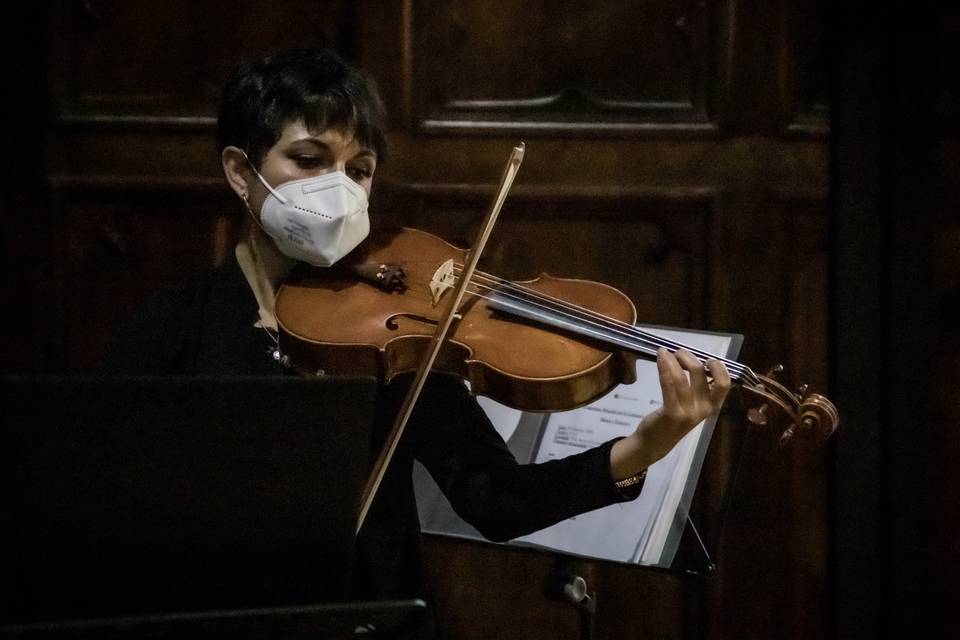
x,y
391,322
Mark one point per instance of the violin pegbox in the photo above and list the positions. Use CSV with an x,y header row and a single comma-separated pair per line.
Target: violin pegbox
x,y
799,414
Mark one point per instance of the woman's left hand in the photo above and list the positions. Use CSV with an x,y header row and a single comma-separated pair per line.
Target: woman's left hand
x,y
688,398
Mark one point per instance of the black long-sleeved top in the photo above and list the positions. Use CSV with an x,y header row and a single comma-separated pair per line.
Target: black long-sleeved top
x,y
210,330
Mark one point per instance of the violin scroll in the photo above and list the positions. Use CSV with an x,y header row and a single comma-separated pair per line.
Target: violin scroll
x,y
801,414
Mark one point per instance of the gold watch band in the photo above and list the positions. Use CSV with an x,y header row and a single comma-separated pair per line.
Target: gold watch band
x,y
636,478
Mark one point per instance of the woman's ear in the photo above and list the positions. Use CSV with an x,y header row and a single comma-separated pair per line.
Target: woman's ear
x,y
236,169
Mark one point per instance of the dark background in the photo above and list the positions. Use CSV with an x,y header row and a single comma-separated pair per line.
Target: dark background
x,y
786,170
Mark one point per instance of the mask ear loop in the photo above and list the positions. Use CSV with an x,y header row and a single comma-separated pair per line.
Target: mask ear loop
x,y
269,188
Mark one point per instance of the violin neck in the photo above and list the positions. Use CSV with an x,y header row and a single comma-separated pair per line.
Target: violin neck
x,y
612,334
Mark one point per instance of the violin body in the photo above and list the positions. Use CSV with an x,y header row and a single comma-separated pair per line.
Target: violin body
x,y
332,323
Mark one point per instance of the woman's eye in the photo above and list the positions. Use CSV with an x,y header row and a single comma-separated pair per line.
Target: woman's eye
x,y
359,173
307,162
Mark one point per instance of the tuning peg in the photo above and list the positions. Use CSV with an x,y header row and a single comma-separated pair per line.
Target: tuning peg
x,y
774,370
787,435
802,391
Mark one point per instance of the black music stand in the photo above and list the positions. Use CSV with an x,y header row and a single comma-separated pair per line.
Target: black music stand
x,y
144,498
392,619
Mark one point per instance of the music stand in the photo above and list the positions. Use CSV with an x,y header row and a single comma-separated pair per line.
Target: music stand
x,y
146,496
368,620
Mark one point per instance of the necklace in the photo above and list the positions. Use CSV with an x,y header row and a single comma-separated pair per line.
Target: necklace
x,y
273,351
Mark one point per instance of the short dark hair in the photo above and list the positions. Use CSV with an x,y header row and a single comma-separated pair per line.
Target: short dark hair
x,y
264,94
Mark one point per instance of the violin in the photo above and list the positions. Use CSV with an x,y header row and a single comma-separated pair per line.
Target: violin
x,y
406,300
548,344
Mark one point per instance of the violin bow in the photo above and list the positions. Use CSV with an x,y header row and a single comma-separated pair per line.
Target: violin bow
x,y
450,315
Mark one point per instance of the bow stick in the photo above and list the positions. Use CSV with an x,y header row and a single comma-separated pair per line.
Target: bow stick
x,y
440,335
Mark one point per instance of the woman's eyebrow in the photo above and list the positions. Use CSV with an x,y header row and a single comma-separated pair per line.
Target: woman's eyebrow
x,y
366,153
316,141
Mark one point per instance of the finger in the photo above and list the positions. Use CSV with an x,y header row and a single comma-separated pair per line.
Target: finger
x,y
671,375
721,382
681,382
698,375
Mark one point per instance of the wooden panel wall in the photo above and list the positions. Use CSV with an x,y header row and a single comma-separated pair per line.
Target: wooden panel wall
x,y
676,149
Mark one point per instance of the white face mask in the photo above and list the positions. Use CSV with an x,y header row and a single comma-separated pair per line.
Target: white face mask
x,y
316,220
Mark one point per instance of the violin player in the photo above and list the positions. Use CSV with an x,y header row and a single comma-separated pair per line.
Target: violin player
x,y
308,117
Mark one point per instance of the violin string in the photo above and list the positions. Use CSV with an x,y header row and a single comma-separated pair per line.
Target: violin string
x,y
477,290
642,343
640,340
617,326
557,305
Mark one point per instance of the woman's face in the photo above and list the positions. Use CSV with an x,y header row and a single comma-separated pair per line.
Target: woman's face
x,y
301,154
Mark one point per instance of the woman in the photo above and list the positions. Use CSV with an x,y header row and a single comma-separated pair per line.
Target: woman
x,y
306,118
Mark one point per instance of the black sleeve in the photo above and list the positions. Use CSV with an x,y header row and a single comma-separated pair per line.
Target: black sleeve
x,y
155,339
485,484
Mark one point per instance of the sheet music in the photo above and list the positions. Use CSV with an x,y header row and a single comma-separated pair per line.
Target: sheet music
x,y
505,419
635,531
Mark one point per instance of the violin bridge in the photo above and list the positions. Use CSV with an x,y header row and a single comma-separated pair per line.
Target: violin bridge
x,y
442,280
